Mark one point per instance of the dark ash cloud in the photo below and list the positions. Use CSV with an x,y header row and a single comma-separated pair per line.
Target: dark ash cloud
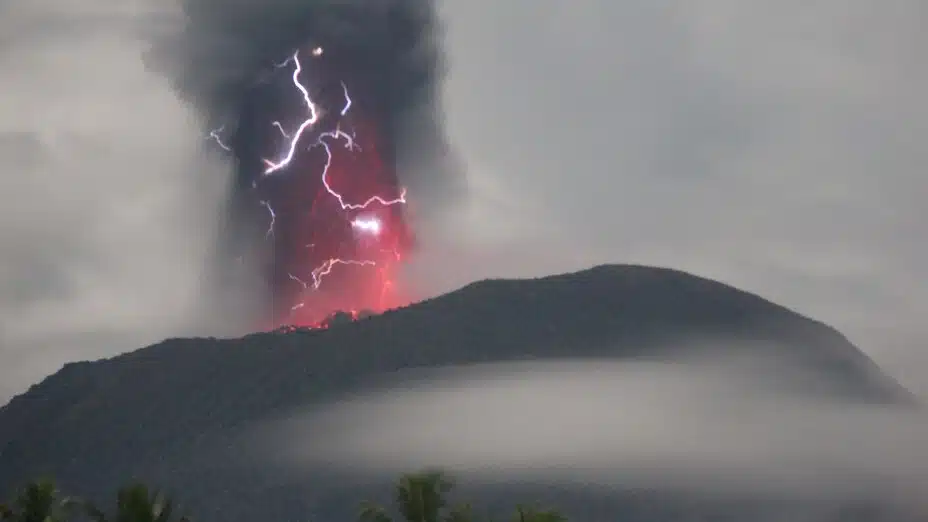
x,y
228,61
225,46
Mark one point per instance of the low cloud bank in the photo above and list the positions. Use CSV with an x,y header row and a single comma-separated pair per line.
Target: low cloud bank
x,y
709,425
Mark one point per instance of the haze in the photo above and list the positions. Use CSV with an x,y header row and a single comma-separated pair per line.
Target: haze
x,y
776,146
714,425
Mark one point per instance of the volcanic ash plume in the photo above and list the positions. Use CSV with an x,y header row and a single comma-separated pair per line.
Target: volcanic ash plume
x,y
330,113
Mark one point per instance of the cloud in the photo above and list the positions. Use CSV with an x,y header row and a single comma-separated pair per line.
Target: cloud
x,y
107,197
714,425
774,146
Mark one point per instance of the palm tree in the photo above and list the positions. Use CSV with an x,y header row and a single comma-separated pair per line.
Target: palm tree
x,y
420,497
136,503
39,501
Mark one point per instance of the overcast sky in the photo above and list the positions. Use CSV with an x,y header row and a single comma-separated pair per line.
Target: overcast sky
x,y
775,145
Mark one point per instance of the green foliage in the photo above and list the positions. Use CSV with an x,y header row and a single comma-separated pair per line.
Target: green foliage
x,y
136,503
421,497
418,497
39,501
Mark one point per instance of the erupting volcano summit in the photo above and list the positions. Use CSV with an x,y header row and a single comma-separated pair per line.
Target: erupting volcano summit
x,y
311,160
331,114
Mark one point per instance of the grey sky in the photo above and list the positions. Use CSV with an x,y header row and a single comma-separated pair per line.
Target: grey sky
x,y
775,145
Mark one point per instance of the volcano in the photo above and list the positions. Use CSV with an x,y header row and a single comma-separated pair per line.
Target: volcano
x,y
170,413
326,200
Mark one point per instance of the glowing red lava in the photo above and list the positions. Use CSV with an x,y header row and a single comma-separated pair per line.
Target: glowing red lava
x,y
314,145
340,259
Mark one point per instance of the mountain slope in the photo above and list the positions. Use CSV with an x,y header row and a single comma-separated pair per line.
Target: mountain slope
x,y
165,413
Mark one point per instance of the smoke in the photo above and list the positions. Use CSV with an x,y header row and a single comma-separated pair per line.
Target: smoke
x,y
711,425
109,200
373,71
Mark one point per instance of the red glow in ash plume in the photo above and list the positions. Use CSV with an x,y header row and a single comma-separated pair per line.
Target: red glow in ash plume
x,y
350,264
336,226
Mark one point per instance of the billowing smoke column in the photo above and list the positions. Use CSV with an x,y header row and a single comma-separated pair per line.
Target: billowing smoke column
x,y
312,158
329,110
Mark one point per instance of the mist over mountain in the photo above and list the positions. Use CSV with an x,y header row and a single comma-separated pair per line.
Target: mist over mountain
x,y
183,413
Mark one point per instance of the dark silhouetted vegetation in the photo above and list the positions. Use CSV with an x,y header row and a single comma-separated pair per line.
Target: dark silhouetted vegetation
x,y
418,497
136,503
40,501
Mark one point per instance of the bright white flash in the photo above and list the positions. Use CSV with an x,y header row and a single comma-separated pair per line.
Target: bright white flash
x,y
367,225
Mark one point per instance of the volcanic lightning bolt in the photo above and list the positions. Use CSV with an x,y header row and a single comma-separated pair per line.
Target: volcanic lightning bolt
x,y
273,220
369,227
319,123
216,135
273,167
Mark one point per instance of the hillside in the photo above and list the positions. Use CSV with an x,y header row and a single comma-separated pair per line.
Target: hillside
x,y
168,413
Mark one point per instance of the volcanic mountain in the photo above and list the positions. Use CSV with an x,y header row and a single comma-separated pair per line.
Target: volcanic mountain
x,y
166,414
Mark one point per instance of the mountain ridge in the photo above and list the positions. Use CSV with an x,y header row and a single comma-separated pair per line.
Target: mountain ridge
x,y
164,412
